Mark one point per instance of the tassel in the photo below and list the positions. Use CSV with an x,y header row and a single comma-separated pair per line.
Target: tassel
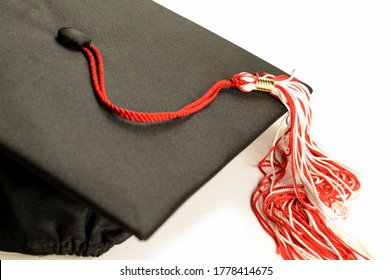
x,y
302,190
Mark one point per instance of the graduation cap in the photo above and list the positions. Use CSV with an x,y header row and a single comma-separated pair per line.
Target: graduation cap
x,y
113,114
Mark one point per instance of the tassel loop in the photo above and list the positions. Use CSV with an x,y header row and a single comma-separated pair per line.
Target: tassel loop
x,y
245,81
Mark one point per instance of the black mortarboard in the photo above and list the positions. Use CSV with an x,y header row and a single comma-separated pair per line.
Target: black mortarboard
x,y
77,179
74,178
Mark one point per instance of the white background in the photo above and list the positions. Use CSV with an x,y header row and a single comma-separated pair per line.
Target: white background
x,y
342,49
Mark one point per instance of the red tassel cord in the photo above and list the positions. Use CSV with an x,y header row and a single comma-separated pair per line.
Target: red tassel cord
x,y
302,191
97,77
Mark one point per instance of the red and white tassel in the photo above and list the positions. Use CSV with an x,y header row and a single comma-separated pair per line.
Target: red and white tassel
x,y
303,190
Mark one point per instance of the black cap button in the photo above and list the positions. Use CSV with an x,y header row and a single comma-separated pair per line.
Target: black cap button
x,y
73,37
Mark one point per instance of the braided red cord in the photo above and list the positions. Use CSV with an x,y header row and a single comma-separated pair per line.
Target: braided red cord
x,y
97,77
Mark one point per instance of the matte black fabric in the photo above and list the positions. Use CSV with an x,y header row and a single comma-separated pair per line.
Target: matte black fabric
x,y
135,175
37,219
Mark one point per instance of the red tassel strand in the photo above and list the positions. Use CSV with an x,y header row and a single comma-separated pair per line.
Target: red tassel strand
x,y
302,191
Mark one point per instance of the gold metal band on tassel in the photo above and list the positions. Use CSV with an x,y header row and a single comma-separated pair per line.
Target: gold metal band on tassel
x,y
264,84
